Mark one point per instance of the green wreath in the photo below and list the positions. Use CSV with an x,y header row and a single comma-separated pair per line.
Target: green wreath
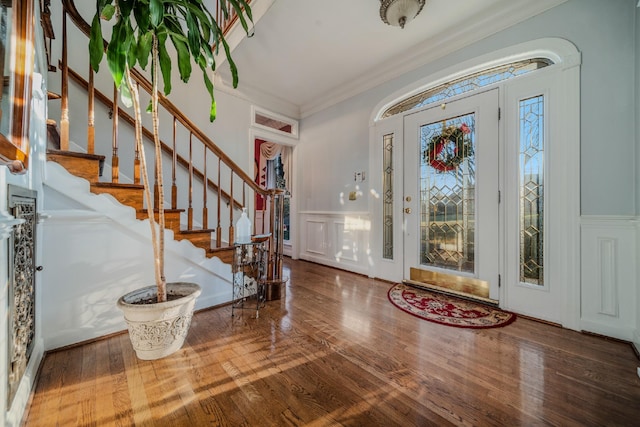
x,y
444,160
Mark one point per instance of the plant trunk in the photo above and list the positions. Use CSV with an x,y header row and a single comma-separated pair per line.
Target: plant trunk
x,y
157,249
161,282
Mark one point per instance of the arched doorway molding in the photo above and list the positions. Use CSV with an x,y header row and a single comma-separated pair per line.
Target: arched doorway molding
x,y
561,52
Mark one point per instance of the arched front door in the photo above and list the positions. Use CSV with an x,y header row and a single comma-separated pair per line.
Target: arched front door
x,y
507,210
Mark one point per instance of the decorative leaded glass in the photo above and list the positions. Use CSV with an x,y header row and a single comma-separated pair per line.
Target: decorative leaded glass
x,y
467,84
532,190
447,194
387,192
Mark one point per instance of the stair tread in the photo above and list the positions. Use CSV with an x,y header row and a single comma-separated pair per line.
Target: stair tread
x,y
221,248
165,211
117,185
75,154
197,230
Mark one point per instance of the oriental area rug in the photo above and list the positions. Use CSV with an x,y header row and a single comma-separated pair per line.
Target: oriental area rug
x,y
447,310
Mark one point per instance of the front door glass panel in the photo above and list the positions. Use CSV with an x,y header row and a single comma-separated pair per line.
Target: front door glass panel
x,y
447,194
532,191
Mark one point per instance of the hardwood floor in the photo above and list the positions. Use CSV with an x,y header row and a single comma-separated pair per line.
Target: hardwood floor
x,y
334,351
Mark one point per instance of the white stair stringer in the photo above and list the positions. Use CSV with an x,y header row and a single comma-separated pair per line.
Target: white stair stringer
x,y
96,250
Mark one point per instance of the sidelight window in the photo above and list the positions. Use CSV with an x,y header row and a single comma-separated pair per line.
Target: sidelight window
x,y
531,183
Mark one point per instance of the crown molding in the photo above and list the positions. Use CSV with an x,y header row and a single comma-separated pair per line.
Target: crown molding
x,y
429,50
254,95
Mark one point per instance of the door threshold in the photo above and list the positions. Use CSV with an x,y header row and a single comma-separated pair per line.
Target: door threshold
x,y
452,292
467,288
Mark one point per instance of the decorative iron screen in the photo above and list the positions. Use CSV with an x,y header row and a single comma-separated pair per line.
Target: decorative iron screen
x,y
22,291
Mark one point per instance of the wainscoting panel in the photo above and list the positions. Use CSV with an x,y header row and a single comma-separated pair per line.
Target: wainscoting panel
x,y
316,241
609,254
336,239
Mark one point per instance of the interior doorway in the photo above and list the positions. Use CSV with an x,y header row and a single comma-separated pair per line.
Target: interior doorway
x,y
273,169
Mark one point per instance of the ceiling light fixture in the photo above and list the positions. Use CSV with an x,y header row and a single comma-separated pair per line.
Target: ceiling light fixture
x,y
399,12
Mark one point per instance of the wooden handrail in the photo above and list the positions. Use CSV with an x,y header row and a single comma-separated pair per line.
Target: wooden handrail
x,y
105,100
77,19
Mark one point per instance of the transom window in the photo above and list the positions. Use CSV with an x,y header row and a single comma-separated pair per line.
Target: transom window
x,y
466,84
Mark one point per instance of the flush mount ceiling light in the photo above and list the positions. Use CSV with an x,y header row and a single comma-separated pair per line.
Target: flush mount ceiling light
x,y
399,12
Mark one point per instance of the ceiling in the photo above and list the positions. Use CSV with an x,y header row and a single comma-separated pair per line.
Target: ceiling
x,y
307,55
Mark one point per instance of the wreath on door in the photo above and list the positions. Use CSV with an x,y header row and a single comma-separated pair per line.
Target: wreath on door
x,y
449,148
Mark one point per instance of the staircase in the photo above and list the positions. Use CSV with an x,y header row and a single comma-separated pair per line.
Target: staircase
x,y
88,166
203,177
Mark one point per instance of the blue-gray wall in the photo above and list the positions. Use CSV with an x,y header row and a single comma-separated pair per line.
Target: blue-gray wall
x,y
605,34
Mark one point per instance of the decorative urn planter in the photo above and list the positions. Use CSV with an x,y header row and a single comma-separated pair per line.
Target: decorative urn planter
x,y
159,329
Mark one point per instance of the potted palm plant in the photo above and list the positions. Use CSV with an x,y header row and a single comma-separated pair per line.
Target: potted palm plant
x,y
159,316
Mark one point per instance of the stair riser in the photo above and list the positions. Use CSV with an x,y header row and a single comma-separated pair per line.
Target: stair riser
x,y
226,256
200,240
171,221
127,196
84,168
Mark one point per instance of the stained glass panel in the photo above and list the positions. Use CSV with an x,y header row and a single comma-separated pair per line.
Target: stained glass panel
x,y
447,194
387,197
532,190
467,84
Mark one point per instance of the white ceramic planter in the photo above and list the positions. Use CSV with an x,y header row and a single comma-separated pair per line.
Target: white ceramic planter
x,y
158,330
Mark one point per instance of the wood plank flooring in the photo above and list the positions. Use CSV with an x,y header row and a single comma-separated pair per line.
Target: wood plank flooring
x,y
334,351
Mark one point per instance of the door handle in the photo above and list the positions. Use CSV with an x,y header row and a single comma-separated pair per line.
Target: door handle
x,y
407,210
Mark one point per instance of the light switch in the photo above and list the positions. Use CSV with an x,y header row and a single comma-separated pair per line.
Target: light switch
x,y
359,176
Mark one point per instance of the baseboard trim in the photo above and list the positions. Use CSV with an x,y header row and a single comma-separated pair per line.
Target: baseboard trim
x,y
353,268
